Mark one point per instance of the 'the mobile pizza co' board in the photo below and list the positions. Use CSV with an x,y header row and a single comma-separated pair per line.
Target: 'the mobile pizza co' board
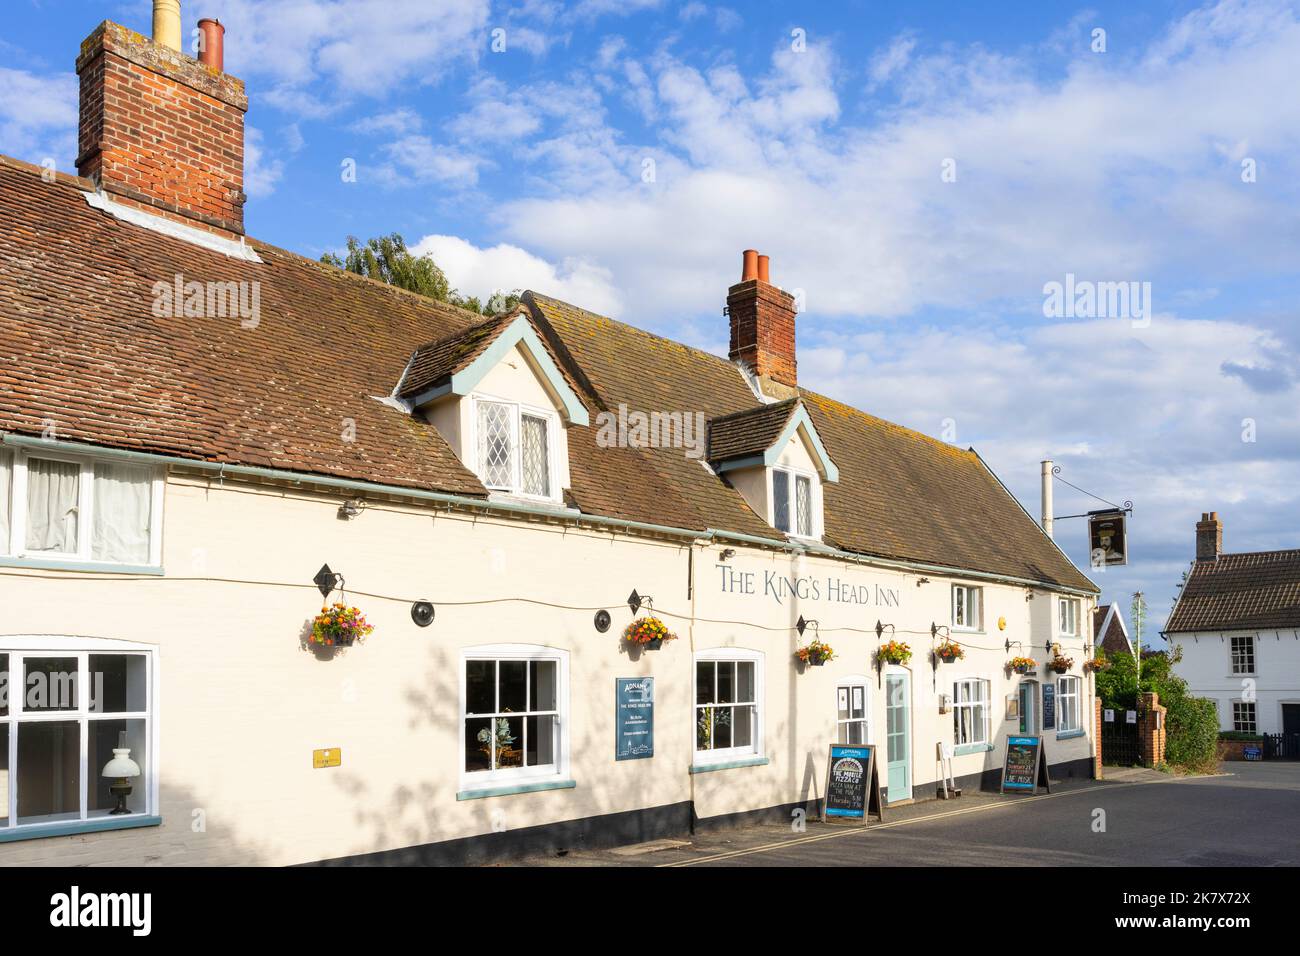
x,y
852,784
1025,769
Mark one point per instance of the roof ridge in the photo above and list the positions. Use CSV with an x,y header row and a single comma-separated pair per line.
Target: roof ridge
x,y
1275,552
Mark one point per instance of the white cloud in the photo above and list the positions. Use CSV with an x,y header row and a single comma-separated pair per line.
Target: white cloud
x,y
417,159
38,117
483,271
263,168
398,122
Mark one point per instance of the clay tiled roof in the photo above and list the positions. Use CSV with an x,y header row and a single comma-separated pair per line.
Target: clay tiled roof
x,y
1114,641
435,363
750,432
901,494
306,390
1240,591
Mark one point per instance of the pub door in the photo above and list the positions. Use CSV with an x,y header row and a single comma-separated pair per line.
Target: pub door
x,y
898,737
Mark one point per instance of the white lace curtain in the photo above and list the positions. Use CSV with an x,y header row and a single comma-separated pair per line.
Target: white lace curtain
x,y
121,532
6,484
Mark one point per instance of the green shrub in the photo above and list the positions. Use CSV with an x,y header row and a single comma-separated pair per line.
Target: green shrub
x,y
1193,735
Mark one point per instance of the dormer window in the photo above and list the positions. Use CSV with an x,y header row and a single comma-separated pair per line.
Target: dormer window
x,y
774,457
514,448
495,394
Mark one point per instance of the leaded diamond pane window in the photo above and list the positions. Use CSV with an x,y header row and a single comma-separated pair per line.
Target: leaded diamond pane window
x,y
781,500
803,505
494,444
536,469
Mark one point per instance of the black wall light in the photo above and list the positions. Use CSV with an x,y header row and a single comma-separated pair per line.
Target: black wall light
x,y
635,601
602,621
422,613
327,580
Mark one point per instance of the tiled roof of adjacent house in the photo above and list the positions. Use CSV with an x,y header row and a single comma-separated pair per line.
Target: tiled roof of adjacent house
x,y
750,432
1240,591
1114,640
306,390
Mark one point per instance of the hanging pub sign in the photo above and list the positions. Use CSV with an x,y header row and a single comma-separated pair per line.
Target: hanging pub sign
x,y
1025,768
1049,706
634,718
1108,537
852,785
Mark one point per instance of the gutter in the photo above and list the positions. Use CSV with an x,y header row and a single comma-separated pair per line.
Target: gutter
x,y
579,519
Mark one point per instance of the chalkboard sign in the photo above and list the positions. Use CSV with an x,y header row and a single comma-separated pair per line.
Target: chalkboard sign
x,y
1049,706
852,784
634,718
1025,769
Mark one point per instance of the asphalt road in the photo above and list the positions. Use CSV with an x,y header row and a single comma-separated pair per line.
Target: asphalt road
x,y
1247,818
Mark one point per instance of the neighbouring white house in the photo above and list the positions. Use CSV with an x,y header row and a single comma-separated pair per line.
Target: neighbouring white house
x,y
1238,624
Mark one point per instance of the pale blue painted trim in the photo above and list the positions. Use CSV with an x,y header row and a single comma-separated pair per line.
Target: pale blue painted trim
x,y
517,788
73,827
730,764
800,417
749,462
1067,735
519,332
47,564
972,749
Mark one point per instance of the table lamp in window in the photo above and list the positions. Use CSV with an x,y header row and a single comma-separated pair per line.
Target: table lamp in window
x,y
121,770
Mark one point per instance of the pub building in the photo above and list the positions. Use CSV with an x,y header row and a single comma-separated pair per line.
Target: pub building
x,y
503,500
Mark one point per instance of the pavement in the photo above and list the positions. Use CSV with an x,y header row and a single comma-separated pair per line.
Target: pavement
x,y
1244,816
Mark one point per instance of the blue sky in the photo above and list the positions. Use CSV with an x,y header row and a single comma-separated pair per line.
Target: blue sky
x,y
826,135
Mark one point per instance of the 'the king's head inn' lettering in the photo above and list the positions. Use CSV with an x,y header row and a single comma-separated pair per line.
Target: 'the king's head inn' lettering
x,y
781,588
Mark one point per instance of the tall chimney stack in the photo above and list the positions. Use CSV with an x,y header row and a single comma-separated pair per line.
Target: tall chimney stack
x,y
1209,537
159,131
167,24
762,328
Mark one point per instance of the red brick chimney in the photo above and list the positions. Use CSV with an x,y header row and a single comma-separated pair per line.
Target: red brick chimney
x,y
1209,537
762,327
159,130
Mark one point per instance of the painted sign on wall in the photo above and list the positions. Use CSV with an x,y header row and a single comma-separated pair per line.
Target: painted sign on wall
x,y
634,718
783,588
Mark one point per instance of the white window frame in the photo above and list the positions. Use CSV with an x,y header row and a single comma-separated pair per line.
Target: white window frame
x,y
1253,648
554,437
851,683
1069,610
485,779
968,590
1062,695
986,726
80,648
15,549
814,501
1254,716
704,758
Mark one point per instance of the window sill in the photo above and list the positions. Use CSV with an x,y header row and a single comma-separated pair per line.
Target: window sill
x,y
478,793
74,827
730,764
1069,734
62,564
965,749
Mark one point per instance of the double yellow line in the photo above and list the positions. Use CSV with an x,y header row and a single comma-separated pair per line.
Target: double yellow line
x,y
857,831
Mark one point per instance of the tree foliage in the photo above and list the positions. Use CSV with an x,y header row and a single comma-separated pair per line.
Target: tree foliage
x,y
1192,727
387,259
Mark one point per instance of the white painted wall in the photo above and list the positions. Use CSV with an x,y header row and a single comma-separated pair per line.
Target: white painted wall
x,y
242,706
1207,668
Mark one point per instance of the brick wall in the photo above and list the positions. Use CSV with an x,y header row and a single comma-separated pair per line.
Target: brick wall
x,y
1152,730
160,131
762,330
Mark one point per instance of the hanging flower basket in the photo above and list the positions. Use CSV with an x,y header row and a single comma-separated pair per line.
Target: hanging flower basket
x,y
648,633
1060,663
1022,665
895,652
338,625
949,651
815,654
1094,664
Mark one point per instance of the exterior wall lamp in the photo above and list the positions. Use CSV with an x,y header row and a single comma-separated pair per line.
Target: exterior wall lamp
x,y
351,508
727,554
